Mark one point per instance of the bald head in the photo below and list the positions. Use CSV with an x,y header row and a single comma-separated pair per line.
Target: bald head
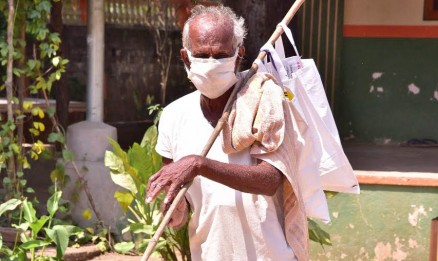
x,y
210,30
214,22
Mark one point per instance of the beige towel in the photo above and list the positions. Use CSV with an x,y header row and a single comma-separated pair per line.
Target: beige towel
x,y
263,119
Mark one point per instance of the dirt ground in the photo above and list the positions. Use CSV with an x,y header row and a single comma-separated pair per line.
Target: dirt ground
x,y
91,252
110,256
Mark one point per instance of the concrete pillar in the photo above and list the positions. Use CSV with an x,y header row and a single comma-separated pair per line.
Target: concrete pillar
x,y
96,48
89,141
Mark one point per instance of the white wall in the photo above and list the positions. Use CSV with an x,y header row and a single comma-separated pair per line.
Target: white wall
x,y
385,12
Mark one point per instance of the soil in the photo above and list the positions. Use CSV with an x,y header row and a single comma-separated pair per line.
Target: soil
x,y
111,256
91,252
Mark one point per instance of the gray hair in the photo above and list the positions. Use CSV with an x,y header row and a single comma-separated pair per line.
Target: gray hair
x,y
217,11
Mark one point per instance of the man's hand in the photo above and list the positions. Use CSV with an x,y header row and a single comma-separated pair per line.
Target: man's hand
x,y
171,178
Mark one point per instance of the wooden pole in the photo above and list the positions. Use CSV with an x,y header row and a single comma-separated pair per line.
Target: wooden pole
x,y
433,246
277,33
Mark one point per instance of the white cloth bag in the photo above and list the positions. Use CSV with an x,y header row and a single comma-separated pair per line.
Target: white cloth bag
x,y
322,163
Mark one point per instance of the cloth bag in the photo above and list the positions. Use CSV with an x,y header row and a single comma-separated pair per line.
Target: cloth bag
x,y
322,163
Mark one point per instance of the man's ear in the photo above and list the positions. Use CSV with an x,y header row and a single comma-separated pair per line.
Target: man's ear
x,y
185,57
240,55
241,52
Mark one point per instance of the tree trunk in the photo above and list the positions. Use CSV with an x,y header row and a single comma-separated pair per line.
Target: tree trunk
x,y
10,83
21,84
60,87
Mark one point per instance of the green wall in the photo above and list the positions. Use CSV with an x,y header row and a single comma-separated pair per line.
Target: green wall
x,y
394,114
382,223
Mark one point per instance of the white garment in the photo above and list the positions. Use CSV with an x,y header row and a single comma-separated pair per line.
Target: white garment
x,y
226,224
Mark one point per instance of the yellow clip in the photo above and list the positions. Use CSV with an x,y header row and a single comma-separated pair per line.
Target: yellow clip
x,y
289,95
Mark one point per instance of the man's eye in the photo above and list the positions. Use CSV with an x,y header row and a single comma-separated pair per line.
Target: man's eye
x,y
221,56
207,56
203,56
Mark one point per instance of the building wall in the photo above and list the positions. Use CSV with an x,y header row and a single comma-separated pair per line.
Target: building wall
x,y
131,75
382,223
389,80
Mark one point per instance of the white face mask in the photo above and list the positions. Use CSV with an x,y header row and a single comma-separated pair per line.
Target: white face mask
x,y
212,77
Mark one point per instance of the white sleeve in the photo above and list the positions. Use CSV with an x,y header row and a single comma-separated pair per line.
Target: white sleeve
x,y
164,144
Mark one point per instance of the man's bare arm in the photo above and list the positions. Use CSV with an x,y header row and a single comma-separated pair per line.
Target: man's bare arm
x,y
262,178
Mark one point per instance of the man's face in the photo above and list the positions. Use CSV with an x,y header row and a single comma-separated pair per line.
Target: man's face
x,y
210,40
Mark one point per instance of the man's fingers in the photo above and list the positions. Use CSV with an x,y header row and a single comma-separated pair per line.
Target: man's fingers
x,y
151,181
153,191
171,193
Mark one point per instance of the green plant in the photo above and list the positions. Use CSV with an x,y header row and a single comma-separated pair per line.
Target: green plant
x,y
316,233
28,32
26,21
43,230
132,170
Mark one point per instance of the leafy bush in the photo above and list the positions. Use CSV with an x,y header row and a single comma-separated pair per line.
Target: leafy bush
x,y
132,170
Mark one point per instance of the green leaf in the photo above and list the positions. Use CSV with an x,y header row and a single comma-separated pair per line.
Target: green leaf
x,y
33,15
38,224
330,194
51,111
26,164
53,203
73,230
125,181
124,198
37,111
58,174
17,72
317,234
31,63
54,37
87,215
56,60
124,247
117,150
58,234
14,147
57,75
55,136
137,228
150,137
22,182
5,141
114,162
9,205
68,155
32,244
103,246
29,212
141,161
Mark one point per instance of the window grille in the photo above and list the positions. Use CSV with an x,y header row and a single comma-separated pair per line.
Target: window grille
x,y
146,13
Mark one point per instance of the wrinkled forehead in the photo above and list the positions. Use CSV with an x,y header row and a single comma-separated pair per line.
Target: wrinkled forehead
x,y
211,29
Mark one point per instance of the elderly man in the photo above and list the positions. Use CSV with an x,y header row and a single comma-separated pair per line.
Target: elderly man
x,y
235,199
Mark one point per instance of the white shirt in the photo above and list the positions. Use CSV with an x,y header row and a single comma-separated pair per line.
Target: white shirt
x,y
226,224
